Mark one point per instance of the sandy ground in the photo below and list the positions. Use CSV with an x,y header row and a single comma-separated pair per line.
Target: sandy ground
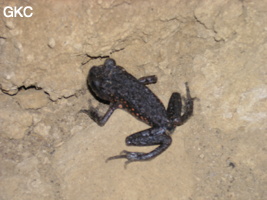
x,y
48,150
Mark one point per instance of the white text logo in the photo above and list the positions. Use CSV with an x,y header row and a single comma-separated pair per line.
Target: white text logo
x,y
20,11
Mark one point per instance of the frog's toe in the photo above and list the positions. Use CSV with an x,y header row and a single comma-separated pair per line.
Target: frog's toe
x,y
130,156
123,154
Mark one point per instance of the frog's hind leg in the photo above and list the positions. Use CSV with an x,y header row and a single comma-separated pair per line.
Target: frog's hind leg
x,y
175,106
174,110
149,137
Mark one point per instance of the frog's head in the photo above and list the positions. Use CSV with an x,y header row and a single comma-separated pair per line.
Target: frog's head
x,y
99,79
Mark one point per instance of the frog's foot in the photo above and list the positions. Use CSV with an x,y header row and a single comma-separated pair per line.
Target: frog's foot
x,y
130,156
100,120
92,112
189,104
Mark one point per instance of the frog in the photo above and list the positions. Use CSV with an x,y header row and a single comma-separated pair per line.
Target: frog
x,y
112,84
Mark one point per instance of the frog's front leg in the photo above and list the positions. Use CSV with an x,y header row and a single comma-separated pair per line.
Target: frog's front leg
x,y
149,137
146,80
100,120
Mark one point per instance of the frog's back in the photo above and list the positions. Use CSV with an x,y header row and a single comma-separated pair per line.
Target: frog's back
x,y
138,99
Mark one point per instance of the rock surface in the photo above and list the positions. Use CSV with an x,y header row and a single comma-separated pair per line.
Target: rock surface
x,y
50,151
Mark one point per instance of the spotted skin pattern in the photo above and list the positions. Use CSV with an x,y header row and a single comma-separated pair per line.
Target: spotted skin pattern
x,y
115,85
